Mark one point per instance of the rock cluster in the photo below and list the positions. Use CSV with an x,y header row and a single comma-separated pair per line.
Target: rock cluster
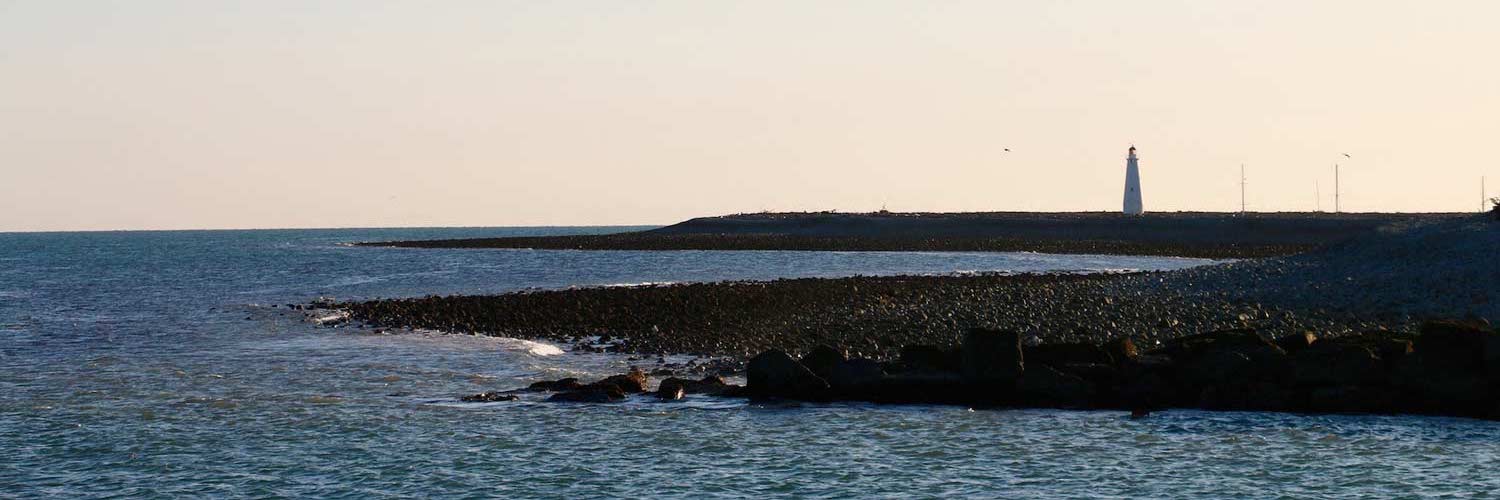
x,y
614,389
1450,368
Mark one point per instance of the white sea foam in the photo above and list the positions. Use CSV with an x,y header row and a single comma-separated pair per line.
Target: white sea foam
x,y
332,317
640,284
532,347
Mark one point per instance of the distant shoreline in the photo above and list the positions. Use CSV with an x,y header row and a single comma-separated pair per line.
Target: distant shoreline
x,y
1177,234
1391,278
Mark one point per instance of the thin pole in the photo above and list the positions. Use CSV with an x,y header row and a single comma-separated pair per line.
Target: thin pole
x,y
1318,194
1242,188
1482,194
1335,188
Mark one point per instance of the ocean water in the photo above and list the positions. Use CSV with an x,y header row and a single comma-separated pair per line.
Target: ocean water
x,y
154,364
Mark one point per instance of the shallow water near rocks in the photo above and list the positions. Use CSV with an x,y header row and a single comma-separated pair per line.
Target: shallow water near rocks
x,y
153,363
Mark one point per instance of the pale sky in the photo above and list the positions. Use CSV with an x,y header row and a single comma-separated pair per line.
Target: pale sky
x,y
204,114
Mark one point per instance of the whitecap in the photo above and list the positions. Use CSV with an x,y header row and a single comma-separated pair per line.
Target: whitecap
x,y
641,284
335,317
529,346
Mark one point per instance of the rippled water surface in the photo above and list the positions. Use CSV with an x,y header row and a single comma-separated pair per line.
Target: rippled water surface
x,y
152,363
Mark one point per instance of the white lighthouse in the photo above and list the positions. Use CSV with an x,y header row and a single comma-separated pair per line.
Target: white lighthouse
x,y
1133,185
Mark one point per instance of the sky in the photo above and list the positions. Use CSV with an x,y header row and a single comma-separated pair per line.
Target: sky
x,y
148,114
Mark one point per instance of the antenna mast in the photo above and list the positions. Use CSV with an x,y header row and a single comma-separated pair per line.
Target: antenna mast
x,y
1242,189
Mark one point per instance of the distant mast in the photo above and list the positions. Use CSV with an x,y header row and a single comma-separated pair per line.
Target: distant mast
x,y
1133,185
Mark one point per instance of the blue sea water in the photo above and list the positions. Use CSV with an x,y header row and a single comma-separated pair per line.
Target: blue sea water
x,y
154,364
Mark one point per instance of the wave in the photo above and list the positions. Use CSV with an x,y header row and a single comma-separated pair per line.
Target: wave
x,y
532,347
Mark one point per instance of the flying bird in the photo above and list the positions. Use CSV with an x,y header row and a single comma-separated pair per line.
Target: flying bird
x,y
1346,155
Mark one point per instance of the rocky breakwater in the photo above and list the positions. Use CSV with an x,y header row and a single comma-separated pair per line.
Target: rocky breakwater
x,y
613,389
1448,368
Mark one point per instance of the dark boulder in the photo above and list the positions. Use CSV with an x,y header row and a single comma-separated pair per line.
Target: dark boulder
x,y
1296,342
712,385
856,378
566,384
1337,364
1352,399
1057,355
929,358
931,388
775,374
593,393
1445,373
1041,385
1225,358
1122,349
630,383
672,386
1492,361
1105,379
992,357
1245,341
1461,343
1215,367
670,392
1148,390
822,359
488,397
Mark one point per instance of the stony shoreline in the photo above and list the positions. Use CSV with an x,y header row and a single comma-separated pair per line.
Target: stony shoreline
x,y
868,316
1348,328
1450,368
1393,278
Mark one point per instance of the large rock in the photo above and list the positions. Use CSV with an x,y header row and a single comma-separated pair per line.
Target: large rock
x,y
489,397
931,388
630,383
566,384
1446,373
822,359
1042,385
1059,355
1351,399
1295,342
856,379
929,358
1492,362
1148,390
1340,364
591,393
992,357
1455,342
1122,349
775,374
1245,341
712,385
1229,357
667,392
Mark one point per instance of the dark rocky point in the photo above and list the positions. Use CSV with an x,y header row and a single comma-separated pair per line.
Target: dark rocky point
x,y
489,397
1449,369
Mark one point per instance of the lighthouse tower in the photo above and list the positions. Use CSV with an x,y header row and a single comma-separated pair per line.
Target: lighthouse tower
x,y
1133,185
